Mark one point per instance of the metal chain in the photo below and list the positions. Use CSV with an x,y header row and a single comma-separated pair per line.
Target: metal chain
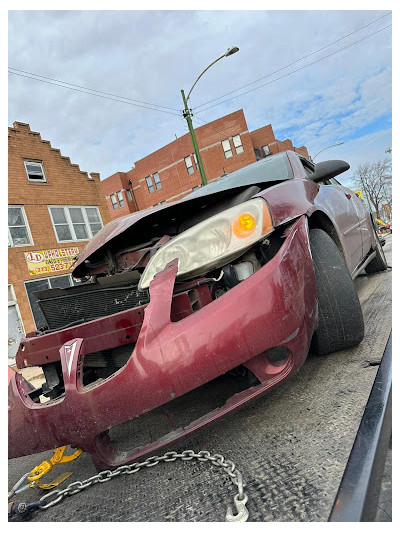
x,y
217,459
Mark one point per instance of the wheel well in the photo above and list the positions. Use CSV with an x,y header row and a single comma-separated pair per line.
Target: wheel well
x,y
319,220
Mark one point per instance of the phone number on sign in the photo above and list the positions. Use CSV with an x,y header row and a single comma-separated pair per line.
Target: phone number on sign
x,y
53,268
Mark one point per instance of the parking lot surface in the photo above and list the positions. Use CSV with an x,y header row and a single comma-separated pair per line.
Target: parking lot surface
x,y
291,445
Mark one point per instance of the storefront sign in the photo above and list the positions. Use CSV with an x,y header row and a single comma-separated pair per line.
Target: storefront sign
x,y
48,261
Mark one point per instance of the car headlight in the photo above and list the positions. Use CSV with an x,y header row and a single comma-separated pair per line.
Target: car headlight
x,y
212,242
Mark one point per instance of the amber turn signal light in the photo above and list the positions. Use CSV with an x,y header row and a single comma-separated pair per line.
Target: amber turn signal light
x,y
244,225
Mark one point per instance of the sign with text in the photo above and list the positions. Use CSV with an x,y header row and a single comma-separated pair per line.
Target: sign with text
x,y
50,261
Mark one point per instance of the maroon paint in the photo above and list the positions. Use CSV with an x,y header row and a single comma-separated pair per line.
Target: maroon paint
x,y
102,333
276,306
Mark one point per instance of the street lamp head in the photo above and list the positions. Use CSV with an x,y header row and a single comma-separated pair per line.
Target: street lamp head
x,y
231,51
340,142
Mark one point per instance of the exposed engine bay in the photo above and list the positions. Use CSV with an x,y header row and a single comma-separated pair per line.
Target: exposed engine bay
x,y
111,281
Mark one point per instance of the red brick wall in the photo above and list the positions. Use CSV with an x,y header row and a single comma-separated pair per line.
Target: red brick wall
x,y
66,185
169,162
262,136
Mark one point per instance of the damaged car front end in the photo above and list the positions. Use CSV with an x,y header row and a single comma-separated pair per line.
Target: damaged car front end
x,y
215,285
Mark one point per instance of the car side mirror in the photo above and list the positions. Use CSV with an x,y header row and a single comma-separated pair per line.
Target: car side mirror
x,y
328,169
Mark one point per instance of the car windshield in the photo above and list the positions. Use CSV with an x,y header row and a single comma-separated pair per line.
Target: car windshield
x,y
272,168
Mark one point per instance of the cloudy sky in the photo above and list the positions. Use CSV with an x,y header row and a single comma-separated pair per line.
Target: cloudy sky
x,y
319,77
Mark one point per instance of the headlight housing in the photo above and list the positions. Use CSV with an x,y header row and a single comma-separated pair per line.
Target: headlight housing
x,y
213,242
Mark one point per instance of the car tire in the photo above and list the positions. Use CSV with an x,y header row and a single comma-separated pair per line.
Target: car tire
x,y
378,263
340,318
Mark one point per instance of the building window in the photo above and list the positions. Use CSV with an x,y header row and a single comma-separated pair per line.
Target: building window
x,y
150,185
18,228
226,146
34,171
237,143
189,164
195,161
42,284
157,181
121,198
75,223
266,150
114,202
129,195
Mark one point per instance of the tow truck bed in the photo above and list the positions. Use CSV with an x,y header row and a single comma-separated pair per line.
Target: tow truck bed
x,y
291,446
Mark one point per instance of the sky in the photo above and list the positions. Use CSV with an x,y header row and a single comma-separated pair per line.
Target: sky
x,y
316,84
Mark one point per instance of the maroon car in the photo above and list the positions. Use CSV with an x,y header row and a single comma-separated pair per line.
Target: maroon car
x,y
239,280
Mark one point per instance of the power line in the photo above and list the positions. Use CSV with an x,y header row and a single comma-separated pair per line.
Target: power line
x,y
93,92
202,122
294,62
296,70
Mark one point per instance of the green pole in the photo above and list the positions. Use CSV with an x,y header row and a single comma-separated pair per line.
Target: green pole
x,y
186,114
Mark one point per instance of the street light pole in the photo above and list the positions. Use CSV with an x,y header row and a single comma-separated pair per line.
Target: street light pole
x,y
326,148
188,117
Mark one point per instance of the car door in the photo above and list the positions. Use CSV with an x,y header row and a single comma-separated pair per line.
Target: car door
x,y
366,226
341,203
350,221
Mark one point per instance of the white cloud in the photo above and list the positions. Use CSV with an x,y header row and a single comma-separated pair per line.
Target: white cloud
x,y
151,55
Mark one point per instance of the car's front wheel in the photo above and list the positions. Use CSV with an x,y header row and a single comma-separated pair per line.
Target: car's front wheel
x,y
340,318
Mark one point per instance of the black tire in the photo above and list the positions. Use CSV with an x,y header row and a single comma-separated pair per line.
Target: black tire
x,y
340,318
378,263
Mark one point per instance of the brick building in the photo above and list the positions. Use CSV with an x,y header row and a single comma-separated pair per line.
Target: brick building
x,y
172,172
53,210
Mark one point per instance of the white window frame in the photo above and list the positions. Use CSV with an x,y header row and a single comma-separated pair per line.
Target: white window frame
x,y
157,181
266,150
121,200
150,184
31,162
114,201
70,223
28,230
228,153
129,195
237,143
189,168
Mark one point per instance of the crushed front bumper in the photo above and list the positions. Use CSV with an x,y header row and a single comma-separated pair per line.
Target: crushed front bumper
x,y
276,306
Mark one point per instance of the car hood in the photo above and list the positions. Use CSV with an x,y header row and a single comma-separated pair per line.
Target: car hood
x,y
108,238
115,228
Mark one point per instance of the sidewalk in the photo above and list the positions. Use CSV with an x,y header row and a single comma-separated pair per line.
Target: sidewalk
x,y
32,374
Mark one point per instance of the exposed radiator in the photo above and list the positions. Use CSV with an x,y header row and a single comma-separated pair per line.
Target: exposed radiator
x,y
62,307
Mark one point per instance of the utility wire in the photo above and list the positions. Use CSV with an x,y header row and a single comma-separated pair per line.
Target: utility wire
x,y
296,70
293,63
202,122
92,92
152,107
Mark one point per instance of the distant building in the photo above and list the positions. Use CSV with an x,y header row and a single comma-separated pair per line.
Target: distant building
x,y
53,210
172,171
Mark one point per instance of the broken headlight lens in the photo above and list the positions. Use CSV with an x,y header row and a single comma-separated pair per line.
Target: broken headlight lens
x,y
212,242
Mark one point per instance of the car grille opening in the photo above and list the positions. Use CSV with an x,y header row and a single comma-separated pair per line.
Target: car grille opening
x,y
181,411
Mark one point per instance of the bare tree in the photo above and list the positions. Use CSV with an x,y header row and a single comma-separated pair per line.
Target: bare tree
x,y
375,180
